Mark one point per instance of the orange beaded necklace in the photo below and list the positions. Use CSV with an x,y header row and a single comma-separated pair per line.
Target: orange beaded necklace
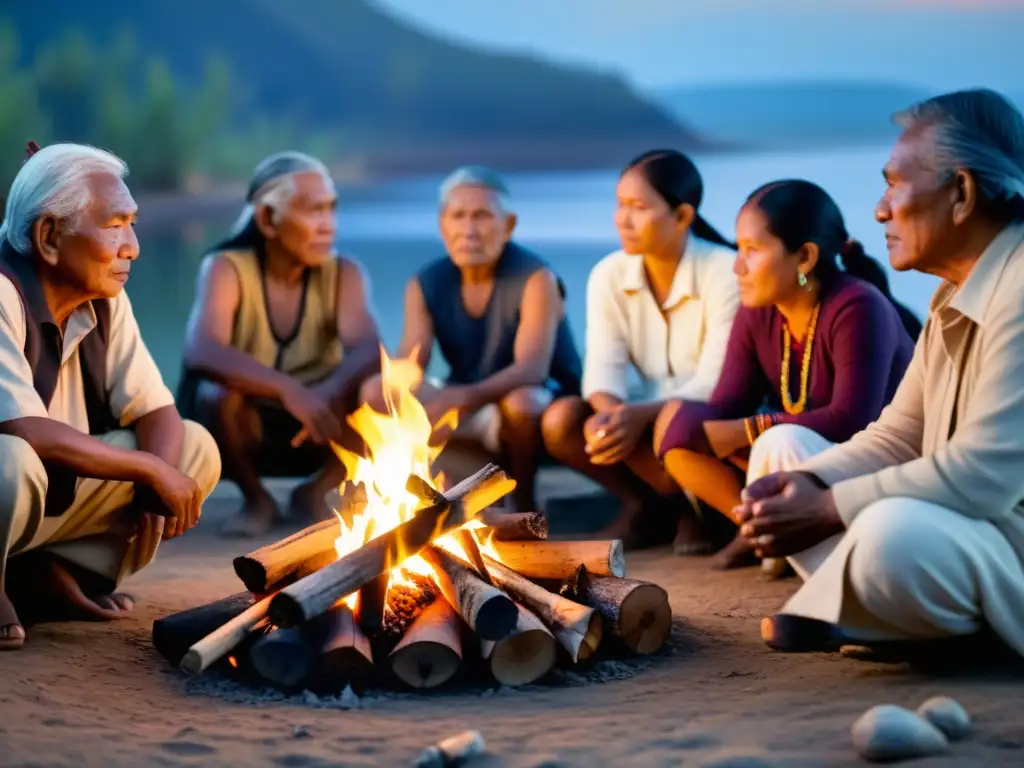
x,y
805,367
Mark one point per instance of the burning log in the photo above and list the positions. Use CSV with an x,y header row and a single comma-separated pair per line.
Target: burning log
x,y
317,592
577,627
487,610
406,600
225,638
515,526
301,553
372,597
636,612
556,560
427,494
326,653
523,657
431,650
173,635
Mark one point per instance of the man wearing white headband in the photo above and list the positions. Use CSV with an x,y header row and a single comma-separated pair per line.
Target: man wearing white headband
x,y
914,529
280,338
96,465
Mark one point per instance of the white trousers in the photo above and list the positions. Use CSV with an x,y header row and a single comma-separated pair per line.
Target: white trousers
x,y
905,569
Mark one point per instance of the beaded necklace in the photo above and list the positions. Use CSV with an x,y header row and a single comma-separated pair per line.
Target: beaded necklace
x,y
805,368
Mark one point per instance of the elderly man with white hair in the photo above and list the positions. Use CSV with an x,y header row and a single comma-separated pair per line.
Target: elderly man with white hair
x,y
280,339
913,530
96,465
497,312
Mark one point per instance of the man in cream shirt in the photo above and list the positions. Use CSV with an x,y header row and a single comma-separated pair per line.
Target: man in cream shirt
x,y
97,465
914,528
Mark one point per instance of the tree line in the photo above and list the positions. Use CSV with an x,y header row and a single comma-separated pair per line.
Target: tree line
x,y
122,100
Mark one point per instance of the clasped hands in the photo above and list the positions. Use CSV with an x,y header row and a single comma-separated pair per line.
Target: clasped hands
x,y
785,513
612,435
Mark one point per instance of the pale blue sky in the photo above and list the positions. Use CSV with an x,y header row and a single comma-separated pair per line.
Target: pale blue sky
x,y
938,44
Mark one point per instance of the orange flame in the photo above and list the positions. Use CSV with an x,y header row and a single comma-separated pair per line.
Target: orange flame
x,y
398,442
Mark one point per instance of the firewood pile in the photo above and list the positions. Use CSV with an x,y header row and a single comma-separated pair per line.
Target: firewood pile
x,y
491,592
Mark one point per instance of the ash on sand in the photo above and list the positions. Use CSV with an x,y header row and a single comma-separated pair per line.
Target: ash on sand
x,y
470,681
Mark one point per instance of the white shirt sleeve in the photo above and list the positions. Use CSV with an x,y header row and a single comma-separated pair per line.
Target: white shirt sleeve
x,y
721,296
606,364
133,380
18,396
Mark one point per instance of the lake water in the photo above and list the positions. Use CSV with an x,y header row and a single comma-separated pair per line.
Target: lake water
x,y
566,217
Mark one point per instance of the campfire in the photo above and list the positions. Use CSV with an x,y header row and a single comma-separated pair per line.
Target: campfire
x,y
414,580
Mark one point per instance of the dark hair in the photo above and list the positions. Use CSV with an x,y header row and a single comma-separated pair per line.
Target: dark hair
x,y
800,212
677,181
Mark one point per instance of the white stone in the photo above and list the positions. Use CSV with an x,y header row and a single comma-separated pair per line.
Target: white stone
x,y
947,715
887,732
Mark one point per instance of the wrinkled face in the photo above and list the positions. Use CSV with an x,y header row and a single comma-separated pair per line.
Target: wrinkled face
x,y
765,271
917,208
473,227
645,223
97,255
306,228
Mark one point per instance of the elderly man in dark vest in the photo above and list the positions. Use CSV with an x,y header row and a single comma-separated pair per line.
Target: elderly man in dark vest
x,y
497,312
97,465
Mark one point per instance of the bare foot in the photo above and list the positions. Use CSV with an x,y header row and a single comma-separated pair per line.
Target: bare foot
x,y
12,634
308,504
67,598
738,553
253,519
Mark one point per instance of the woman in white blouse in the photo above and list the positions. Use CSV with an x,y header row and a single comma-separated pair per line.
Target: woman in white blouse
x,y
663,305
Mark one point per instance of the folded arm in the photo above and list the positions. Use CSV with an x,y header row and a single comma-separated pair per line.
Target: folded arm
x,y
540,313
208,336
978,472
895,438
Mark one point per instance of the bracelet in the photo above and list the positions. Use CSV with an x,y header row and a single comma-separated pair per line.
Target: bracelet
x,y
750,430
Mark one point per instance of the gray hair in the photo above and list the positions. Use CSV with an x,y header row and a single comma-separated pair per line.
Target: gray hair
x,y
475,176
978,130
54,181
273,184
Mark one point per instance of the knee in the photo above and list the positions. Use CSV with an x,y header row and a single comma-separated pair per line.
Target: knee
x,y
562,423
661,424
200,457
20,469
898,542
525,404
782,448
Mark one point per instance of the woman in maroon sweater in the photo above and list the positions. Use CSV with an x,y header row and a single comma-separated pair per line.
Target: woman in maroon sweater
x,y
812,345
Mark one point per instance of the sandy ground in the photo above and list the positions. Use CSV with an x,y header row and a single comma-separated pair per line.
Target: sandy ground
x,y
98,694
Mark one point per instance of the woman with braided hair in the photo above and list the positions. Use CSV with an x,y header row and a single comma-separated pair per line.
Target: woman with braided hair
x,y
814,344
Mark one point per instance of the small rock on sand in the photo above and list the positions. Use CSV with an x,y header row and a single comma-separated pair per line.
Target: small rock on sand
x,y
947,715
887,732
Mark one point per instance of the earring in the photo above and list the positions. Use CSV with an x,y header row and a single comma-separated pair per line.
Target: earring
x,y
801,279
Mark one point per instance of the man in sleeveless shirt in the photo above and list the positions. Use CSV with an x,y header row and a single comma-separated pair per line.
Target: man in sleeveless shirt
x,y
280,338
497,312
97,465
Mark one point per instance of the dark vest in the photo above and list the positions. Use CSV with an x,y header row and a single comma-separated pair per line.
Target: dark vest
x,y
478,347
43,343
